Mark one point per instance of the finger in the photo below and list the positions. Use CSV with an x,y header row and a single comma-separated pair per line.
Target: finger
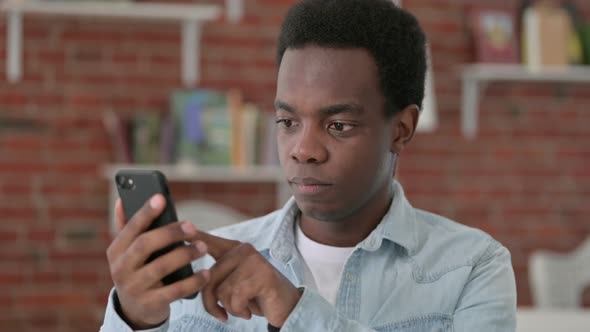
x,y
217,246
236,292
180,289
120,219
239,307
219,272
138,223
210,298
151,274
156,239
255,308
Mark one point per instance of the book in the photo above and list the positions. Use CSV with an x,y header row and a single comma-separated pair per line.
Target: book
x,y
168,139
146,138
546,33
495,38
269,154
584,31
118,130
250,134
203,127
236,104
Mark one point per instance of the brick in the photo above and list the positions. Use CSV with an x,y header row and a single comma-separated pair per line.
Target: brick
x,y
161,37
21,256
77,257
51,278
88,35
8,236
17,213
8,98
41,236
85,277
125,58
84,320
76,168
6,302
64,299
63,188
10,279
42,320
51,57
13,324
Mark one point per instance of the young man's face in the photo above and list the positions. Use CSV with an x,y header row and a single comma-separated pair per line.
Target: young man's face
x,y
333,136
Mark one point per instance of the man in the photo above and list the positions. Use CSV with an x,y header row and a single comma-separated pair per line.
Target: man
x,y
348,252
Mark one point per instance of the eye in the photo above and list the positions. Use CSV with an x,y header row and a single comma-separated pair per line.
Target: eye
x,y
340,127
285,123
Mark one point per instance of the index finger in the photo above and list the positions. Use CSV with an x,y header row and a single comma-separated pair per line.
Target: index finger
x,y
216,246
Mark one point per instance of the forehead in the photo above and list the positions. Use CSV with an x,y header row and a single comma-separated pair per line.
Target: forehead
x,y
316,76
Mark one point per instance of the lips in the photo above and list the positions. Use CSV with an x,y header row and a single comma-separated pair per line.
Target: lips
x,y
309,185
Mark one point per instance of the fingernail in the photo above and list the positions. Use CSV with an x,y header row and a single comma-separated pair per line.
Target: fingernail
x,y
187,228
157,202
223,317
201,247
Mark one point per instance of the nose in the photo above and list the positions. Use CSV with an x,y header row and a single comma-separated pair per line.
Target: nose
x,y
309,148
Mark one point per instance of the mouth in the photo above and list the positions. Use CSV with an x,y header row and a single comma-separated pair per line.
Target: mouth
x,y
309,185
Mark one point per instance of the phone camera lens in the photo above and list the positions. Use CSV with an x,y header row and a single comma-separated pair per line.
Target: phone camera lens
x,y
121,180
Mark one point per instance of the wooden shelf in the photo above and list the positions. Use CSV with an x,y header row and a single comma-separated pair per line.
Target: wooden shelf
x,y
475,77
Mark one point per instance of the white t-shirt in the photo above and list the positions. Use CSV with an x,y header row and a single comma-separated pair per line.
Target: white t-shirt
x,y
324,264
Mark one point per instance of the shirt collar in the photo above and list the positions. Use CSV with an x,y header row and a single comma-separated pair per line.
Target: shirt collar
x,y
398,226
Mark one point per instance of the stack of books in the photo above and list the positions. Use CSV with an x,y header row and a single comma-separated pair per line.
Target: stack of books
x,y
203,127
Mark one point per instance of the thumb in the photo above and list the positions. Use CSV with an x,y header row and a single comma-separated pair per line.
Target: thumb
x,y
120,219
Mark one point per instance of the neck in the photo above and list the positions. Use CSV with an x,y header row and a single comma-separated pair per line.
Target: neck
x,y
350,231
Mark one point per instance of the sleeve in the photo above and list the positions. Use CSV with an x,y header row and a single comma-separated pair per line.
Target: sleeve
x,y
314,314
114,323
488,301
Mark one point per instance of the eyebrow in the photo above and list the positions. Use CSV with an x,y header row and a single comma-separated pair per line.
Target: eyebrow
x,y
331,110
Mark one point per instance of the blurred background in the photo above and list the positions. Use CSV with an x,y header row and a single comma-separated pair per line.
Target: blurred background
x,y
90,87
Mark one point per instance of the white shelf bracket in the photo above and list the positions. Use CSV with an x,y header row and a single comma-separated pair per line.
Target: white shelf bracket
x,y
469,107
14,46
234,10
191,53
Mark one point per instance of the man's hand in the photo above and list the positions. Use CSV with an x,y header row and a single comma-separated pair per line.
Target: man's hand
x,y
144,300
245,283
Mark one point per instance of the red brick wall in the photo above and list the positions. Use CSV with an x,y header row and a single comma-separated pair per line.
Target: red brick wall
x,y
524,179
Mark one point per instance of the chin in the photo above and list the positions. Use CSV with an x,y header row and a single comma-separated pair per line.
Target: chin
x,y
323,211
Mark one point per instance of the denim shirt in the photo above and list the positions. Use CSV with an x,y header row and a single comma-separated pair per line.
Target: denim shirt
x,y
416,271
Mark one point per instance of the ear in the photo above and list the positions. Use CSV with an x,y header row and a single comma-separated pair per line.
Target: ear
x,y
403,127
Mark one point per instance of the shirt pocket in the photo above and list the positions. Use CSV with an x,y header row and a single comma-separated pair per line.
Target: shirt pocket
x,y
425,323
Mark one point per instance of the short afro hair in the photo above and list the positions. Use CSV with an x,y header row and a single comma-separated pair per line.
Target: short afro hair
x,y
391,35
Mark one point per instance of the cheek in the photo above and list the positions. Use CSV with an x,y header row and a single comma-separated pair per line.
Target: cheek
x,y
360,154
283,146
363,163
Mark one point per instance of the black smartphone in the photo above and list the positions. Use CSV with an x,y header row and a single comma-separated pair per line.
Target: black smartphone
x,y
135,188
